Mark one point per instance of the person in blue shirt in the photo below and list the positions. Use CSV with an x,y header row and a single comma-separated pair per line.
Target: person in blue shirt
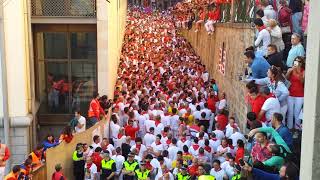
x,y
49,142
296,50
259,65
288,171
283,131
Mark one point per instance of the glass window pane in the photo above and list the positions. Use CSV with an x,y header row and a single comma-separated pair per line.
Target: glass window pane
x,y
55,45
58,87
84,83
84,45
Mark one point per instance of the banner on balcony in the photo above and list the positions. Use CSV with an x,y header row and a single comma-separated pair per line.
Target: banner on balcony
x,y
222,59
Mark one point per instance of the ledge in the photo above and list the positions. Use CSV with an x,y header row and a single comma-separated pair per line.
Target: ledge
x,y
19,121
234,25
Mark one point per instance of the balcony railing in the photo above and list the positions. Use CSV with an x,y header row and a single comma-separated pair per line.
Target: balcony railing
x,y
64,8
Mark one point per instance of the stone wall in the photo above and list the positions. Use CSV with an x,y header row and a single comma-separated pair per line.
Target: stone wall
x,y
236,37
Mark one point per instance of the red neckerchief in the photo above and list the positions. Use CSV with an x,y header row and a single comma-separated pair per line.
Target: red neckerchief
x,y
183,139
231,147
208,149
195,146
200,138
89,165
218,170
158,143
138,146
214,139
261,28
157,122
168,141
120,136
148,165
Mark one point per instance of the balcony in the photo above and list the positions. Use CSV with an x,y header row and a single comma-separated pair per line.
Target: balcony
x,y
63,8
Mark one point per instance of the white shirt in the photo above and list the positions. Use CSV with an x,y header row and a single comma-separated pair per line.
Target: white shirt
x,y
270,106
114,129
180,144
197,114
159,175
120,141
235,137
142,120
217,174
148,139
81,121
229,170
149,124
168,163
222,104
173,150
263,36
143,148
158,129
157,148
175,122
165,120
119,159
226,150
229,130
219,134
94,146
214,144
208,113
194,151
92,172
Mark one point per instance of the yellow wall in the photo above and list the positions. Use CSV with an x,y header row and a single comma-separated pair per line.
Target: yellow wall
x,y
111,19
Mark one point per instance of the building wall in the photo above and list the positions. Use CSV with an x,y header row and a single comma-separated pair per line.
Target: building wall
x,y
111,19
16,56
236,38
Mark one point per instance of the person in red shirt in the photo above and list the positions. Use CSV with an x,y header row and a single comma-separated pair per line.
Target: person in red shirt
x,y
211,103
130,130
213,17
202,17
4,156
296,92
222,119
255,99
240,151
95,110
96,158
193,169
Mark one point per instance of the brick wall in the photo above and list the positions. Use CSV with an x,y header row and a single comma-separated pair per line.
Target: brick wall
x,y
236,37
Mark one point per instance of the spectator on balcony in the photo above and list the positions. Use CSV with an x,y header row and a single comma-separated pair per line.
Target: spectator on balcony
x,y
202,17
66,135
49,142
263,38
95,110
268,10
274,57
296,50
284,17
276,34
305,20
296,7
258,65
213,17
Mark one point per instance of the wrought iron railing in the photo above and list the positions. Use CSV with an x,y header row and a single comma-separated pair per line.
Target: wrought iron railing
x,y
242,11
64,8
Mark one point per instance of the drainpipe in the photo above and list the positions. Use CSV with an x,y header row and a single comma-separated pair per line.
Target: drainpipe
x,y
4,83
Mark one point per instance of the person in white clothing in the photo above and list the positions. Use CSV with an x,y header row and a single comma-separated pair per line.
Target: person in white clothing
x,y
183,141
115,128
270,106
229,127
157,146
173,149
149,138
222,150
222,103
81,126
142,128
90,170
263,38
236,136
197,114
119,159
194,149
141,149
158,125
217,171
164,173
219,133
165,120
174,122
214,142
229,167
96,142
167,161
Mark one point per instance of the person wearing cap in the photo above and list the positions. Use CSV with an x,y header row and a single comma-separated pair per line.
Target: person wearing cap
x,y
142,173
108,167
78,162
129,167
270,106
183,174
58,175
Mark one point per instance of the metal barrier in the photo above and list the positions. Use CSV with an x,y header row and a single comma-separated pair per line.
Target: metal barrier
x,y
64,8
